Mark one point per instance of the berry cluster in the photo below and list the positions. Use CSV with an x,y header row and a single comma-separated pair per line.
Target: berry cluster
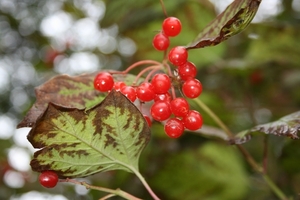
x,y
158,88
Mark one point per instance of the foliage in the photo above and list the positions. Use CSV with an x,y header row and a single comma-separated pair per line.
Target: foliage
x,y
248,80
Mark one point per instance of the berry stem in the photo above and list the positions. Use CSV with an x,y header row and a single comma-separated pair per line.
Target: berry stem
x,y
153,68
163,8
151,73
118,191
142,62
245,153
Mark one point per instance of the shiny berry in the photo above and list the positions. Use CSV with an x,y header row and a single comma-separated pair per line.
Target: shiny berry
x,y
193,120
145,92
161,42
48,179
161,83
178,55
171,26
103,82
187,71
174,127
192,88
180,107
118,85
129,92
160,110
163,97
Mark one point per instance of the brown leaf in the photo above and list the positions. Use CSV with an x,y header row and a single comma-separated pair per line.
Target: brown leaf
x,y
232,21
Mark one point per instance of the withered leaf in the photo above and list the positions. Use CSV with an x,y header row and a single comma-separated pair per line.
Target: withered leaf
x,y
76,142
236,17
288,126
67,91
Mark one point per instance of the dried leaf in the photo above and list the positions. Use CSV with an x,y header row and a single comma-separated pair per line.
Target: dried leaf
x,y
288,126
232,21
77,142
67,91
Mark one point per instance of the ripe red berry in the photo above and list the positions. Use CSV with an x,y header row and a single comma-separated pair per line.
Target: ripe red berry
x,y
163,97
187,71
145,92
161,83
147,118
192,88
174,127
103,82
48,179
161,42
160,110
171,26
118,85
193,120
129,92
180,107
178,55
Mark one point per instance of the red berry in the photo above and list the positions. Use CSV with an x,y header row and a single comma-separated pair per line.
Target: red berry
x,y
163,97
171,26
145,92
147,118
192,88
174,127
161,42
180,107
187,71
160,110
118,85
48,179
161,83
178,55
193,120
129,92
103,82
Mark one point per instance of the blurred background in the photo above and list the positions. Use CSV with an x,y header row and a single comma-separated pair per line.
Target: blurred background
x,y
250,79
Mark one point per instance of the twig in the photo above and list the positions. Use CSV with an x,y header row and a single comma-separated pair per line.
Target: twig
x,y
118,191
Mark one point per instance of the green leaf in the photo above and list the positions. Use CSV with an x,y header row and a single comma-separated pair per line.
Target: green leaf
x,y
288,126
77,142
67,91
236,17
212,172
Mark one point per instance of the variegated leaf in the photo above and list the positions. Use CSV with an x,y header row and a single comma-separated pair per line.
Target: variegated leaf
x,y
76,142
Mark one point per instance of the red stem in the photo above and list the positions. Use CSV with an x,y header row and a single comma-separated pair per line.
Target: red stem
x,y
143,62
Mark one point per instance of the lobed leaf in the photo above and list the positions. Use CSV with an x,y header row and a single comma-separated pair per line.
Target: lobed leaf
x,y
77,142
67,91
236,17
288,126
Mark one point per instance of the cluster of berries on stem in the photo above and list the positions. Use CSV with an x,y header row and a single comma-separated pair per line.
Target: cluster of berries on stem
x,y
162,84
